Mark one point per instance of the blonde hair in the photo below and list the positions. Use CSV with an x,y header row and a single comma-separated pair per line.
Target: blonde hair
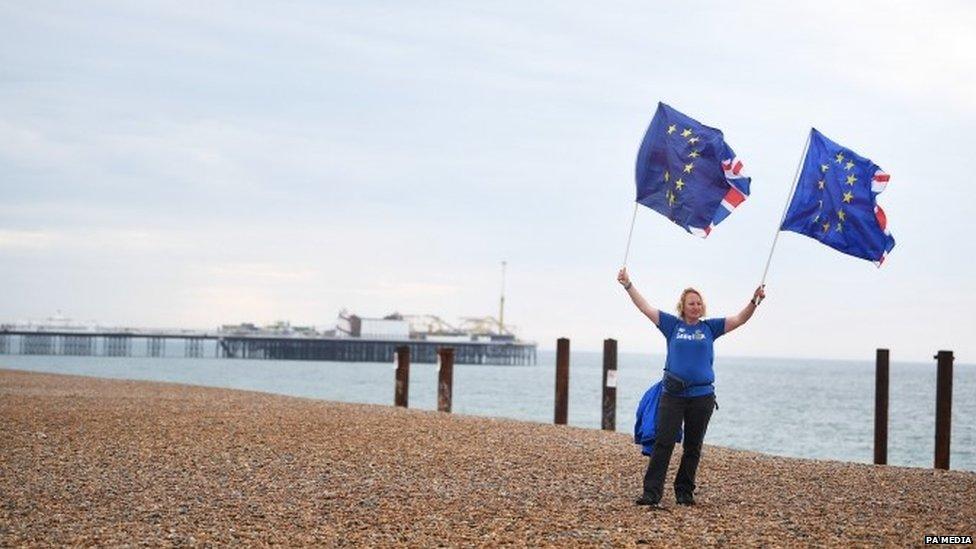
x,y
681,301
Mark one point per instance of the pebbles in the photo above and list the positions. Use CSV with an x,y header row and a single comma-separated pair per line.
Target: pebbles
x,y
86,461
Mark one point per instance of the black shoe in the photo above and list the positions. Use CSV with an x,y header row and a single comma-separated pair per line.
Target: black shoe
x,y
684,498
647,499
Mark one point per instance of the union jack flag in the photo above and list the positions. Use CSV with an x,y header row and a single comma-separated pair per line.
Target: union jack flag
x,y
688,173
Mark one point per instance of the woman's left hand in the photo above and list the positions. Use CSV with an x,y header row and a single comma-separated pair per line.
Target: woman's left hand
x,y
759,294
623,278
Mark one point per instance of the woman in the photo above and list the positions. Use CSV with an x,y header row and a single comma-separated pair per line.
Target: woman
x,y
688,395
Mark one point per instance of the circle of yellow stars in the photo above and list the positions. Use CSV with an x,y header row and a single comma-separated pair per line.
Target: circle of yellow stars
x,y
680,183
846,198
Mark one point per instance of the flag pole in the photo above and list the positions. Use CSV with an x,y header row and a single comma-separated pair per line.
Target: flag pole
x,y
630,234
786,208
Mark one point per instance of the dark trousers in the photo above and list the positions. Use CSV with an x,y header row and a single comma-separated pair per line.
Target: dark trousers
x,y
671,412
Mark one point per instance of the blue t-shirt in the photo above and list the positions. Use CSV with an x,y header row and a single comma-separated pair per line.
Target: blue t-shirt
x,y
690,351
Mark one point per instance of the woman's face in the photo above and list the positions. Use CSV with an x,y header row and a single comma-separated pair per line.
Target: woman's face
x,y
692,307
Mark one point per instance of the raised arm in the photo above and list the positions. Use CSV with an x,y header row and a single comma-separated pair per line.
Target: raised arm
x,y
733,322
635,296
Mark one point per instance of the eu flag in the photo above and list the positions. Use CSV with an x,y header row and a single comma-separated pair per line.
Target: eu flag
x,y
836,201
688,173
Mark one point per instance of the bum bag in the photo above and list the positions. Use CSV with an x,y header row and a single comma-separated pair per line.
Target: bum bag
x,y
676,385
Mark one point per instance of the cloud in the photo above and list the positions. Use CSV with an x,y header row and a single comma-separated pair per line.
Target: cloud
x,y
27,240
918,52
256,273
409,290
91,240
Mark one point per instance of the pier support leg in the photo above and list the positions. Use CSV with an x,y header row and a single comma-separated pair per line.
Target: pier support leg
x,y
609,415
156,347
881,407
562,380
194,348
943,408
445,379
402,376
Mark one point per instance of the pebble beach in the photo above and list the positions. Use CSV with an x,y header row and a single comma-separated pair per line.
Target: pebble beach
x,y
88,461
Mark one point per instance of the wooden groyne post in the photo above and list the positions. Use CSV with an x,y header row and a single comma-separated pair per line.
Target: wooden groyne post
x,y
562,380
445,379
609,416
402,357
943,408
881,407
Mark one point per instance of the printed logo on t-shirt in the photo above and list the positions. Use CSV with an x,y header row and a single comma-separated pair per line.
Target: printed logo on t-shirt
x,y
683,334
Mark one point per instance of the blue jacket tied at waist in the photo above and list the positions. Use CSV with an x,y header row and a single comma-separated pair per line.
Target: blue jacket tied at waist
x,y
645,428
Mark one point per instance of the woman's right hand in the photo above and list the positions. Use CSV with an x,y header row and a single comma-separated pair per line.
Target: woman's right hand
x,y
622,277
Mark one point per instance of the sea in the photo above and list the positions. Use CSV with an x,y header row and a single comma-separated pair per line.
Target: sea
x,y
818,409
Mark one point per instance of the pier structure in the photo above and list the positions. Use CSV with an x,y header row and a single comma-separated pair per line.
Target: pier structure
x,y
368,350
201,344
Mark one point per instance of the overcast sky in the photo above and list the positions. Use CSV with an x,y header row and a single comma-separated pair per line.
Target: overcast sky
x,y
165,165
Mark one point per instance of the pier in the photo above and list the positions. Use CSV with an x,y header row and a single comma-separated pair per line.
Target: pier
x,y
201,344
